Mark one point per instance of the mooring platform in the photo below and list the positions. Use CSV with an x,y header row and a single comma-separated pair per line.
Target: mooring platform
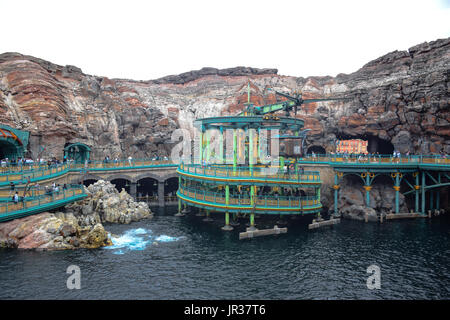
x,y
392,216
263,232
317,224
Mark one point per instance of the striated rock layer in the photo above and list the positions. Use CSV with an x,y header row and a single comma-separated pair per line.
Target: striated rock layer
x,y
401,98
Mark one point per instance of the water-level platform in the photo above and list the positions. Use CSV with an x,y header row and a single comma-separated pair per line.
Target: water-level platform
x,y
393,216
261,232
317,224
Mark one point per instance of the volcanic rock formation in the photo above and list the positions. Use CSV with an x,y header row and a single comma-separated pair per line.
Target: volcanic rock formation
x,y
400,98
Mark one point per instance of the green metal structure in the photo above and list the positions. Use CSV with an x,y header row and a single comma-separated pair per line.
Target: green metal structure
x,y
78,152
249,176
13,142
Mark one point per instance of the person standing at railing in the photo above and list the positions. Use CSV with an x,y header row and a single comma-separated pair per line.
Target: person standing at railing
x,y
130,160
16,198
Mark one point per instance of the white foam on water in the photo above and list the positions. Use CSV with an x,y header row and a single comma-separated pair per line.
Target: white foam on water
x,y
164,238
137,239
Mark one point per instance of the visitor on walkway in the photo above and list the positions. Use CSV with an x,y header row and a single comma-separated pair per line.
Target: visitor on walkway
x,y
16,198
130,160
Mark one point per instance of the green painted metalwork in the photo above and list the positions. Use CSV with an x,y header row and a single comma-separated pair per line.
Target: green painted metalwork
x,y
13,142
42,203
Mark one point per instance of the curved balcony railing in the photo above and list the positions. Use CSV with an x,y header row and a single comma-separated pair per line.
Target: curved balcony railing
x,y
260,173
37,174
41,202
260,201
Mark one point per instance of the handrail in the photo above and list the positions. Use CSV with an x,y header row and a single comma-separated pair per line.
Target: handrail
x,y
244,172
260,200
36,201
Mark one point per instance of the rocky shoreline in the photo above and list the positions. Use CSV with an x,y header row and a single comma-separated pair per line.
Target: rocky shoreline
x,y
80,225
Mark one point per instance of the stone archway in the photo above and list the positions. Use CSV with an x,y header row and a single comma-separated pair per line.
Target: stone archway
x,y
79,152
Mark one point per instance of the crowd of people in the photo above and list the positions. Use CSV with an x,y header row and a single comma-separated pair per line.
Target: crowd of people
x,y
35,190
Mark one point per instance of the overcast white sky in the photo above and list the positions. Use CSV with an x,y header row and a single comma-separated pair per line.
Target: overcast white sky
x,y
144,40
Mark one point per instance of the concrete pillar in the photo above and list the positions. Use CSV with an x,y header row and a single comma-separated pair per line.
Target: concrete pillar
x,y
161,202
133,188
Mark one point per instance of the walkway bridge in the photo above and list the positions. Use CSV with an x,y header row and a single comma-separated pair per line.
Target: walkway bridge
x,y
29,181
421,176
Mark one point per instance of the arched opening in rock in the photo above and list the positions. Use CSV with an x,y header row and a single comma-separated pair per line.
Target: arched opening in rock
x,y
121,184
147,187
171,186
375,144
316,150
79,152
88,182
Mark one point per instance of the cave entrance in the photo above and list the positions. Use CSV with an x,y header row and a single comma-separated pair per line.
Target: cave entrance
x,y
316,150
121,184
79,152
374,143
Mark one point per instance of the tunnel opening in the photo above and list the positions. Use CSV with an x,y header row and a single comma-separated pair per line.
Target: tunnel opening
x,y
171,186
374,143
316,150
121,184
147,187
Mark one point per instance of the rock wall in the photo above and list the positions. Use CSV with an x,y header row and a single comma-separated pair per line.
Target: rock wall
x,y
401,97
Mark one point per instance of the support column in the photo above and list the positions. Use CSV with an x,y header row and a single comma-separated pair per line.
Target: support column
x,y
397,191
438,207
133,187
208,218
431,200
367,187
417,193
336,188
423,192
438,196
252,222
200,149
234,149
250,150
227,226
207,136
180,213
222,160
161,202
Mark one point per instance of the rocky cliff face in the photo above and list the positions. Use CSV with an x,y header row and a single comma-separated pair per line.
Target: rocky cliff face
x,y
401,98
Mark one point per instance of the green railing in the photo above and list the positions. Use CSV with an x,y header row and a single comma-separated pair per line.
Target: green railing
x,y
375,159
37,174
269,173
121,164
30,205
266,201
